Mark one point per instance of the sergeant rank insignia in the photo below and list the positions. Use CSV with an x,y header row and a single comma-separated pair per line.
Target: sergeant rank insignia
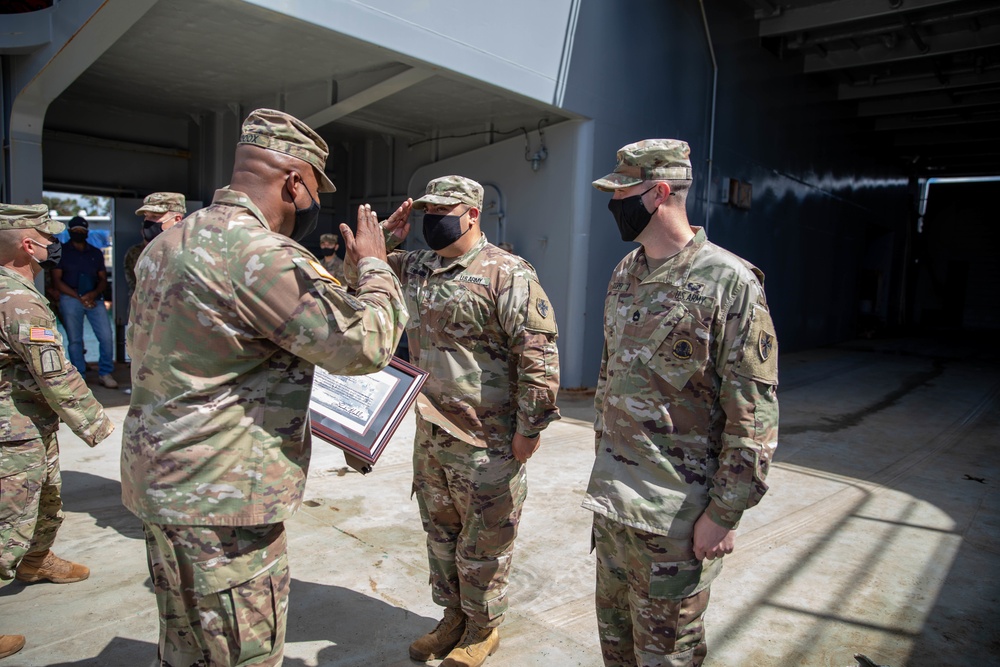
x,y
683,349
765,344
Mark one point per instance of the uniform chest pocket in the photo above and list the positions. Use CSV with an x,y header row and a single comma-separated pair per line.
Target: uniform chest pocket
x,y
466,314
677,347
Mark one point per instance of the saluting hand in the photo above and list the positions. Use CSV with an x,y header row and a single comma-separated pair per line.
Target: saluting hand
x,y
399,222
369,240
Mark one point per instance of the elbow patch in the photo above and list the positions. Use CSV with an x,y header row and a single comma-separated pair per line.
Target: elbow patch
x,y
758,360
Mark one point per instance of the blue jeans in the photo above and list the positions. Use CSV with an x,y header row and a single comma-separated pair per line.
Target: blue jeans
x,y
73,312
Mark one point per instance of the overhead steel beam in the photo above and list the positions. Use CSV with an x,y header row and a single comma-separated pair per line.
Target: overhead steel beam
x,y
943,151
895,124
876,54
114,144
857,91
382,128
827,14
379,91
926,103
946,137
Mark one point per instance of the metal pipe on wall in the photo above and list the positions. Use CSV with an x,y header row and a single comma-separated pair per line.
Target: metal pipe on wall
x,y
711,130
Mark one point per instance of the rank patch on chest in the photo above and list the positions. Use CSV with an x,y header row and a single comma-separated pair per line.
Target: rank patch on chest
x,y
42,335
683,349
765,344
475,280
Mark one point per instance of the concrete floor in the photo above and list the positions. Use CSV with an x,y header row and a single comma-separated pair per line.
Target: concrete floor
x,y
880,536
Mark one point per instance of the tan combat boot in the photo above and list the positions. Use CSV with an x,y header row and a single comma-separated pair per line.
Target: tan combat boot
x,y
442,638
10,644
476,645
46,565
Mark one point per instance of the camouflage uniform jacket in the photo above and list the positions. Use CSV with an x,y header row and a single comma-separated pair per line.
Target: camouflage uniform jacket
x,y
335,265
128,264
686,404
38,385
484,329
228,322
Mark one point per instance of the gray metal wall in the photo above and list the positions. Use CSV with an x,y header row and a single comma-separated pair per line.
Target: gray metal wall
x,y
817,199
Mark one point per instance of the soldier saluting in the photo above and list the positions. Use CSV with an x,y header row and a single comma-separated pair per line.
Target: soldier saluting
x,y
229,319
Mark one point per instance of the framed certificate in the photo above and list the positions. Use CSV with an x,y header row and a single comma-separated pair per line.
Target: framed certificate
x,y
359,413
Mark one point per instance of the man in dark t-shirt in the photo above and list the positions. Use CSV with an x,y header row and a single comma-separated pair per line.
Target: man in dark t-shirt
x,y
81,279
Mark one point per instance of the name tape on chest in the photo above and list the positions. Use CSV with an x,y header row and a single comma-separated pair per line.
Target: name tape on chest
x,y
474,280
688,296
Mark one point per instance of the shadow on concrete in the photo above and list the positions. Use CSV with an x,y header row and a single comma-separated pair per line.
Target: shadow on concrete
x,y
119,651
951,469
99,497
361,629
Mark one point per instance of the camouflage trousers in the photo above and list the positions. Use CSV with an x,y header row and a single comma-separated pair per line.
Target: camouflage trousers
x,y
30,500
651,595
221,591
470,502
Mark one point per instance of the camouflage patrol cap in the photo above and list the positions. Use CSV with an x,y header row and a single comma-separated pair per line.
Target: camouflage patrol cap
x,y
284,133
649,160
450,191
163,202
28,216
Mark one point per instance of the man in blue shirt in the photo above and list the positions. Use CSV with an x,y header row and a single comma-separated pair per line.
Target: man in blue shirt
x,y
81,279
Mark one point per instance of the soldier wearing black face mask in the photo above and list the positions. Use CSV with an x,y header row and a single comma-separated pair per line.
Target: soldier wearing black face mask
x,y
484,329
38,389
686,414
328,246
160,211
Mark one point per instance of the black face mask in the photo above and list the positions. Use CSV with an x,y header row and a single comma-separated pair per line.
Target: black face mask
x,y
631,215
327,252
151,229
440,231
54,251
305,218
78,237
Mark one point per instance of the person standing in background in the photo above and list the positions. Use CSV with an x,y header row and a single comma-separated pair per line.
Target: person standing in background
x,y
328,245
160,211
81,279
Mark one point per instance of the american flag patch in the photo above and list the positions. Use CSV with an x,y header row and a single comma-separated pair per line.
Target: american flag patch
x,y
42,335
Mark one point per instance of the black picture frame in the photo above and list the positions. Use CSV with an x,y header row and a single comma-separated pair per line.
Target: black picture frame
x,y
359,414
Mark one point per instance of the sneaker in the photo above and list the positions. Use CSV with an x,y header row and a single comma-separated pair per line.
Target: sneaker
x,y
108,381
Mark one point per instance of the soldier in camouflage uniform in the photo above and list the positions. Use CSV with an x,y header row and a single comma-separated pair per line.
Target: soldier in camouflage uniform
x,y
160,211
484,329
328,244
229,319
38,387
686,414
